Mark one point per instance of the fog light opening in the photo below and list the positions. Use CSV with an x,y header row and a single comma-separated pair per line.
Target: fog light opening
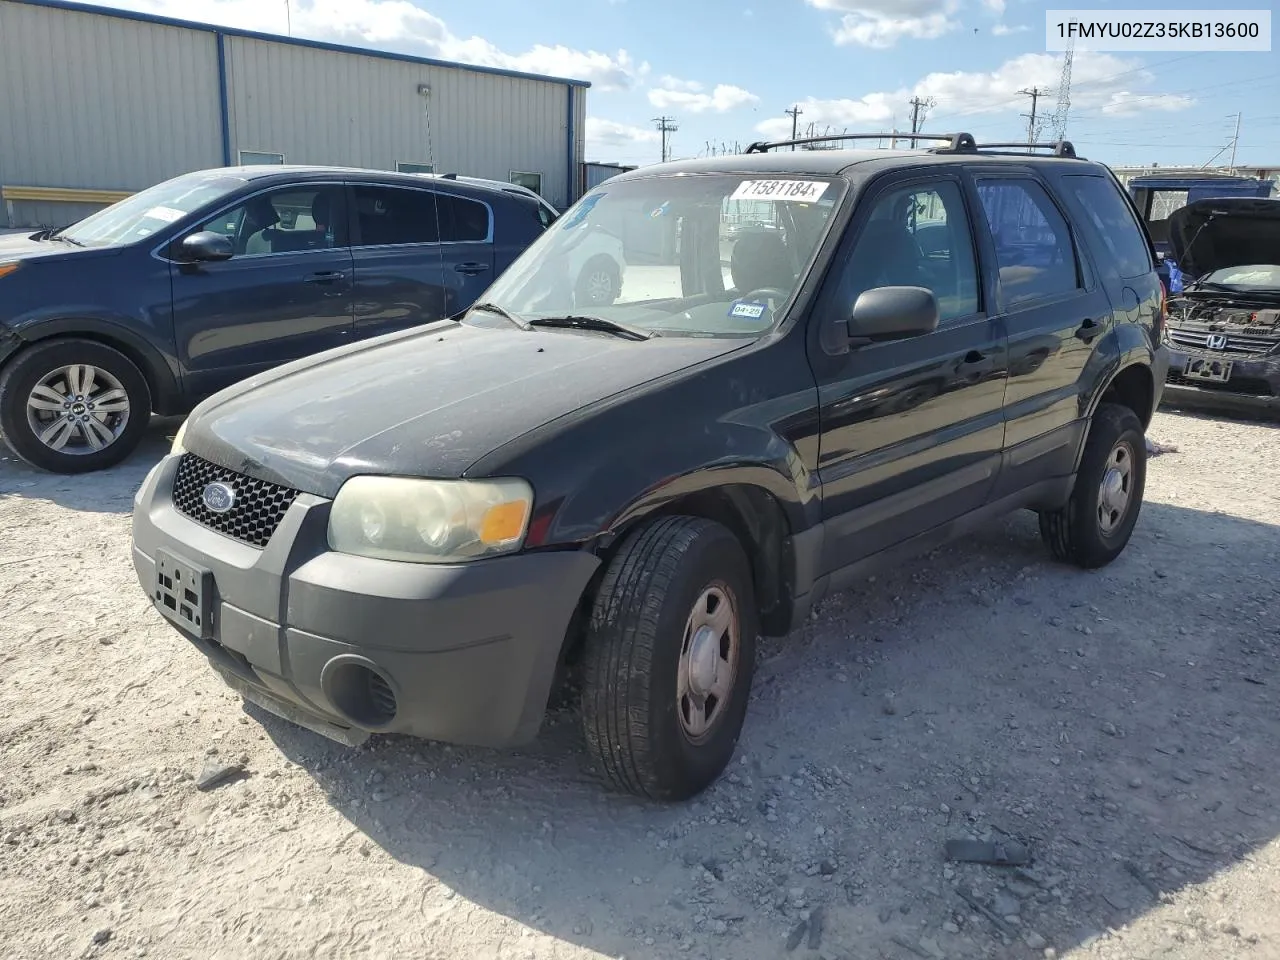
x,y
360,693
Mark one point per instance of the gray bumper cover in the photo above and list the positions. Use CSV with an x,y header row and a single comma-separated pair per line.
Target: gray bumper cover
x,y
469,650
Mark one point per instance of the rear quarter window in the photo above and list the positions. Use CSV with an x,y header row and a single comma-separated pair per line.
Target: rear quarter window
x,y
1124,241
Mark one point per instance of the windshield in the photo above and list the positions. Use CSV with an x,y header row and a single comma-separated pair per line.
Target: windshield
x,y
693,255
1257,275
139,216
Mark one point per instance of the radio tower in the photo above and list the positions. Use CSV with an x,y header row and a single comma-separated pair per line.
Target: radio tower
x,y
1064,94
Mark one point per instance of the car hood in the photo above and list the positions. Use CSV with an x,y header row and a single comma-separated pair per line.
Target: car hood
x,y
428,402
20,246
1210,235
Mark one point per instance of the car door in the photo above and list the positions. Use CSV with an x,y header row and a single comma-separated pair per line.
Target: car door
x,y
1055,311
400,278
285,293
466,249
911,430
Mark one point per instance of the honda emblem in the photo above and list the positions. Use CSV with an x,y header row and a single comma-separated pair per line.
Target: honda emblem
x,y
1216,341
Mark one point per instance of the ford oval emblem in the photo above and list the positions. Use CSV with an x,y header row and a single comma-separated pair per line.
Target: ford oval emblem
x,y
218,497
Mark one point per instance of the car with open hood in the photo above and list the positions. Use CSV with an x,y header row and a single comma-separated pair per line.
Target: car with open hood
x,y
426,532
1224,327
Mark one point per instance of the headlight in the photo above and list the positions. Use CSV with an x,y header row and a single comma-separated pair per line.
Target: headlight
x,y
177,440
429,521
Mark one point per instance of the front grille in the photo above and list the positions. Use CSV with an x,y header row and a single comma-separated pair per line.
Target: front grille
x,y
1236,343
258,509
1250,386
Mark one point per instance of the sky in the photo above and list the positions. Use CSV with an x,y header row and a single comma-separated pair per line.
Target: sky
x,y
726,72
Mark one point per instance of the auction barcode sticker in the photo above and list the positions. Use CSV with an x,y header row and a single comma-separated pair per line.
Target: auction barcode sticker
x,y
803,191
1136,31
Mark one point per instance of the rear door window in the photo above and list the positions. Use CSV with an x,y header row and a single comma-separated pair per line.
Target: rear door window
x,y
394,216
1034,248
463,220
1109,212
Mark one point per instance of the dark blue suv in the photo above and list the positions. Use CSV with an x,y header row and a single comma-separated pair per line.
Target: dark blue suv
x,y
165,298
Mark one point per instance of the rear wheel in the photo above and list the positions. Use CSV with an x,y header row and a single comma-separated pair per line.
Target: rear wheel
x,y
1096,524
73,406
669,658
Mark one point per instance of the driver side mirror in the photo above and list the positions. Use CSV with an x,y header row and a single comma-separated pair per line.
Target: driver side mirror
x,y
893,313
206,247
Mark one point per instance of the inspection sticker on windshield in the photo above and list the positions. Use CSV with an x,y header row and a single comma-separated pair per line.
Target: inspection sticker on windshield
x,y
747,310
803,191
165,214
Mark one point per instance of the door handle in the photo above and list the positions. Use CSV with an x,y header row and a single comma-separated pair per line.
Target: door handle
x,y
975,364
471,269
325,276
1088,330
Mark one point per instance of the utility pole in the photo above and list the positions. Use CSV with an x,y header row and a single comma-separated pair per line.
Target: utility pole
x,y
288,17
919,110
1235,142
1035,93
794,113
666,125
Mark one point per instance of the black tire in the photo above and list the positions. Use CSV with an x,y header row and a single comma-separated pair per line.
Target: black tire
x,y
631,714
586,294
1076,534
25,371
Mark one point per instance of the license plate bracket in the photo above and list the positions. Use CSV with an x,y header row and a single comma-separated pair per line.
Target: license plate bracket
x,y
1211,369
183,592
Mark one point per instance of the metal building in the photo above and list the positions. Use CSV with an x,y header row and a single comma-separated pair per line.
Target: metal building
x,y
98,103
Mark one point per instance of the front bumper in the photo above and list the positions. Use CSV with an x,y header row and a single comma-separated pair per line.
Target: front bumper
x,y
468,652
1253,387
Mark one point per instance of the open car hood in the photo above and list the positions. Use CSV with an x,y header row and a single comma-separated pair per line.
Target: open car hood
x,y
1210,235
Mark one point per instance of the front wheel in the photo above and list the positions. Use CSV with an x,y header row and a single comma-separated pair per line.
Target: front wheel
x,y
72,406
669,658
1095,525
599,284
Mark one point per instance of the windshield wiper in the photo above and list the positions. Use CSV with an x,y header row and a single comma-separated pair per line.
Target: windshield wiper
x,y
503,312
62,239
575,322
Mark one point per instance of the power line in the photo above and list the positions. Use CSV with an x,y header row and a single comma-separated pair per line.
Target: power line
x,y
1035,93
666,125
919,110
794,113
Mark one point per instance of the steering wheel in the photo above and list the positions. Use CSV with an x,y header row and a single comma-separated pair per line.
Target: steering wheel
x,y
767,293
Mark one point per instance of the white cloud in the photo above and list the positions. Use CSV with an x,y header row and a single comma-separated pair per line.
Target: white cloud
x,y
609,136
1096,76
883,23
1101,83
674,83
402,27
689,96
873,112
1125,104
1004,30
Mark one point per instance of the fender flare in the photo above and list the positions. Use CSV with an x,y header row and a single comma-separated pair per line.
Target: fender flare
x,y
161,376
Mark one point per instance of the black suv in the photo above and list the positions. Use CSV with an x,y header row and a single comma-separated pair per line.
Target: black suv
x,y
185,288
420,533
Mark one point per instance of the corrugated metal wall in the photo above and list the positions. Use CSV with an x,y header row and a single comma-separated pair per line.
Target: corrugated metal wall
x,y
93,101
318,106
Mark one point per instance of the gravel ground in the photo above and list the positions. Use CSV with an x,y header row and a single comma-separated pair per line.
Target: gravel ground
x,y
1121,723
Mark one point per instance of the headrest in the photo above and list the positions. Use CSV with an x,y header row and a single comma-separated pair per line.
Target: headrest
x,y
760,260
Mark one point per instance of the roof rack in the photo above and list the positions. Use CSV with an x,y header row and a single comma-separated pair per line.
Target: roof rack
x,y
764,146
1061,148
952,143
